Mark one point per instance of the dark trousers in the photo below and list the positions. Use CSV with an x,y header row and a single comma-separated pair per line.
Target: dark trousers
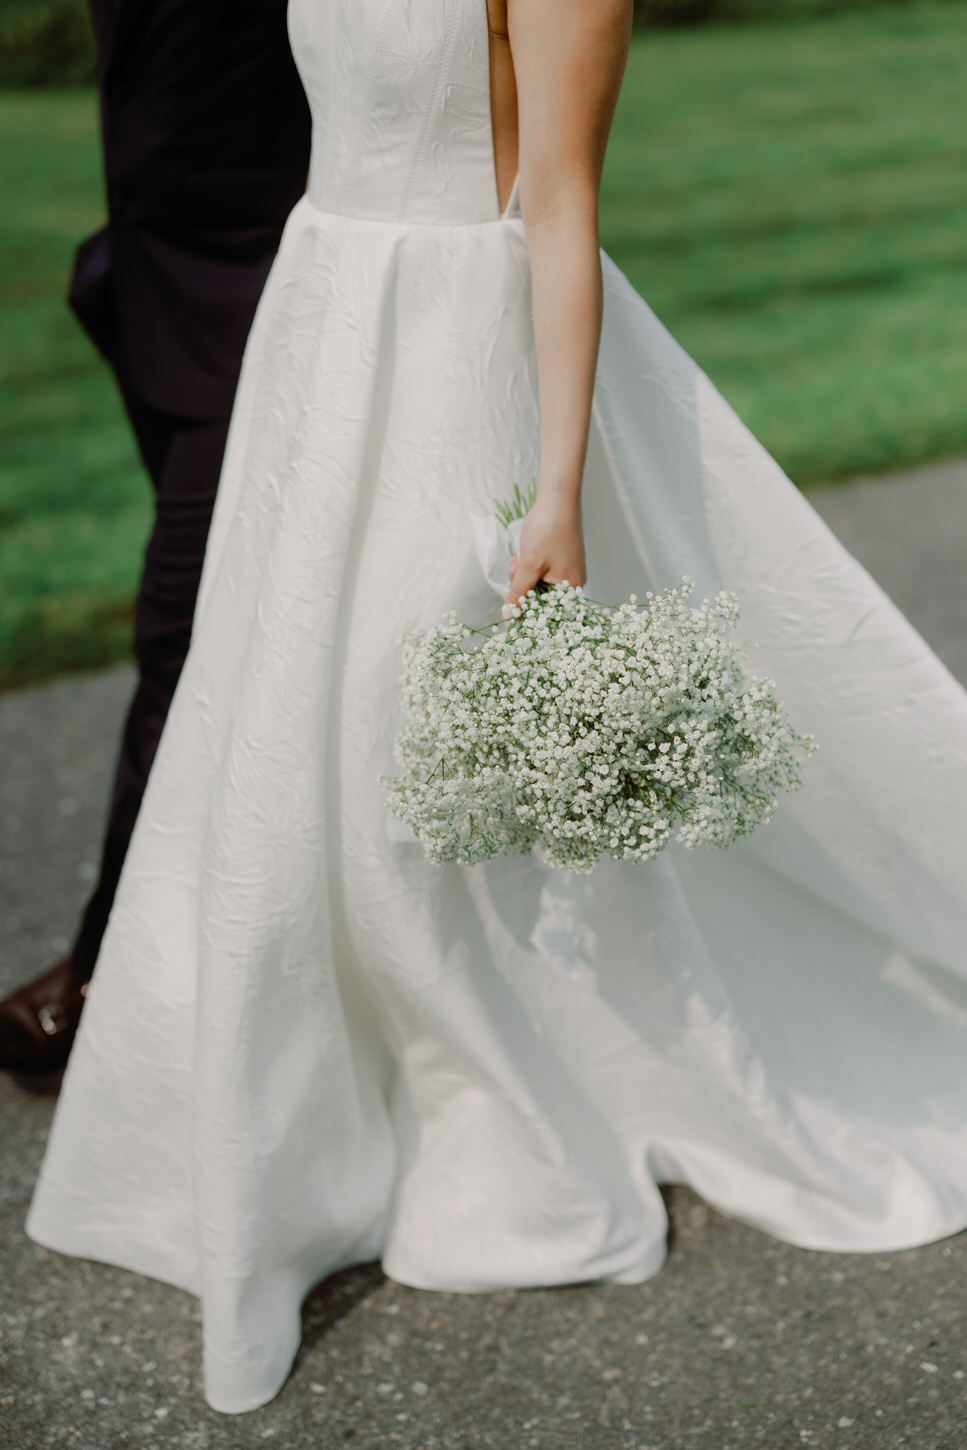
x,y
183,457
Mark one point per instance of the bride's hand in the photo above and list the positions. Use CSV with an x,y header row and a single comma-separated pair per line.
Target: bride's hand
x,y
551,548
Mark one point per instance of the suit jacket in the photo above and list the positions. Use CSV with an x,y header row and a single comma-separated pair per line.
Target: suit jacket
x,y
206,148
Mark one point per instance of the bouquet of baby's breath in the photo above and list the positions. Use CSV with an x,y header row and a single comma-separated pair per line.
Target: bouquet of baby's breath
x,y
593,731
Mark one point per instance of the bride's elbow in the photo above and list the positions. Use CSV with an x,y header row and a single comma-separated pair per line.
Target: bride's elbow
x,y
551,198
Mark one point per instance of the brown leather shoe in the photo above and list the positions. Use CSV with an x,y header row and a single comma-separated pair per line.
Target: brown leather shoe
x,y
38,1021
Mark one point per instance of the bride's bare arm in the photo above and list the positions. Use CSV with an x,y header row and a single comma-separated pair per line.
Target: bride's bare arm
x,y
569,57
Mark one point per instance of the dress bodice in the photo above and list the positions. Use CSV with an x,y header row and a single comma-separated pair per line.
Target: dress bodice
x,y
400,98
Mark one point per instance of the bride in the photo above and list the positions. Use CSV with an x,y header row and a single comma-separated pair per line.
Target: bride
x,y
305,1046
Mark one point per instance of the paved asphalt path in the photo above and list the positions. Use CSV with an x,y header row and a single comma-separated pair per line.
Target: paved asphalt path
x,y
741,1341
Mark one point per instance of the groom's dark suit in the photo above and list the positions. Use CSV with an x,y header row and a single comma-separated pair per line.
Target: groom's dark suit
x,y
206,135
206,141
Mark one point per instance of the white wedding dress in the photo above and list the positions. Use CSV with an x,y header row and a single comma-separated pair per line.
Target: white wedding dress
x,y
304,1045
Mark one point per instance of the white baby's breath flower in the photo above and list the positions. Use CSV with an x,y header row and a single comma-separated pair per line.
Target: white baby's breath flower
x,y
593,731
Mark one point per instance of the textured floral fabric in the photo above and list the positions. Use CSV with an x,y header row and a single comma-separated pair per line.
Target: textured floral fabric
x,y
304,1045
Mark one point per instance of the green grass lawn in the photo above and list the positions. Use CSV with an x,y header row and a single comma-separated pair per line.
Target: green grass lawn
x,y
74,504
791,199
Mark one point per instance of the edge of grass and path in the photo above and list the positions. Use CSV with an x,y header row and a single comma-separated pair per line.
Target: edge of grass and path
x,y
790,198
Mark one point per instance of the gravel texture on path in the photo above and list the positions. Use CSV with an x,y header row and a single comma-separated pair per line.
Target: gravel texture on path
x,y
741,1341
